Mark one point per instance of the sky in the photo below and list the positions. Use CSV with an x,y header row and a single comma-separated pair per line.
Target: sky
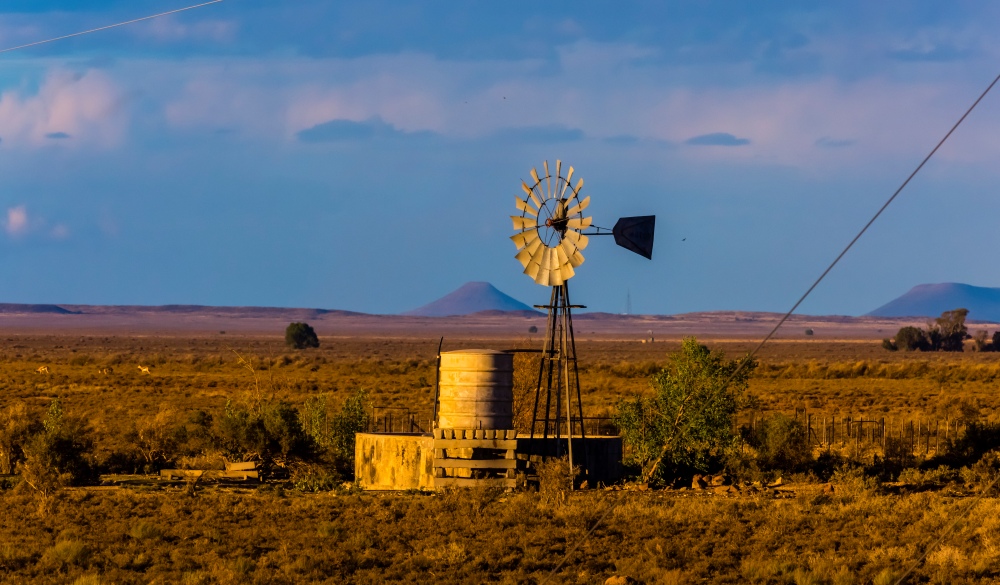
x,y
364,155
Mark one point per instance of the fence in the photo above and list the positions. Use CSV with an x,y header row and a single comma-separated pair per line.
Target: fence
x,y
918,436
390,419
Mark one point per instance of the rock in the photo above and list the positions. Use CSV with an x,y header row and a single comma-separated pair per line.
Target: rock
x,y
776,483
698,482
642,487
620,580
723,490
718,480
828,488
757,485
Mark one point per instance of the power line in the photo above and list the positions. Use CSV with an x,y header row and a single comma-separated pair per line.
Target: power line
x,y
93,30
785,317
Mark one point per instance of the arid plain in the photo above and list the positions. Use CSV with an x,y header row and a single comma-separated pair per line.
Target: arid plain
x,y
832,525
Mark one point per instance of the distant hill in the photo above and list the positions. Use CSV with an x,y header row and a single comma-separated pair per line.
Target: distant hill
x,y
471,297
24,309
930,300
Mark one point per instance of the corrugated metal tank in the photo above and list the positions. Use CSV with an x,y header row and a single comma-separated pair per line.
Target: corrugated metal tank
x,y
476,389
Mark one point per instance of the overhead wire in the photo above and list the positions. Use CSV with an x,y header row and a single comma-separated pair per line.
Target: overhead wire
x,y
110,26
749,357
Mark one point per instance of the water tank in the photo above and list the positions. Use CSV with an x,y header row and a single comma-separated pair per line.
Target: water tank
x,y
476,389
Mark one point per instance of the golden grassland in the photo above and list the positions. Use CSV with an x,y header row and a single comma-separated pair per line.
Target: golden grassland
x,y
475,536
859,533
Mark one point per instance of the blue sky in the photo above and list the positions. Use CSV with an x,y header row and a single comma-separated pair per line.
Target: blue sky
x,y
363,155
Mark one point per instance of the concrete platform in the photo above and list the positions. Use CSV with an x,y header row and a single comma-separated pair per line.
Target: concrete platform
x,y
404,461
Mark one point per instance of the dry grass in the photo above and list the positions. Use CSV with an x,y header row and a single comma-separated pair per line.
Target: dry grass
x,y
277,535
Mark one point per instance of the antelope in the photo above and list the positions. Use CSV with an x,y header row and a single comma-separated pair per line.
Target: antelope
x,y
143,369
42,370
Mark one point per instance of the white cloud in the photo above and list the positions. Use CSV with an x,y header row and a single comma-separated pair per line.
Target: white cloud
x,y
17,221
88,108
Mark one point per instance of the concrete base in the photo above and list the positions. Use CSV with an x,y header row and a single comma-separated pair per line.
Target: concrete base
x,y
394,461
405,461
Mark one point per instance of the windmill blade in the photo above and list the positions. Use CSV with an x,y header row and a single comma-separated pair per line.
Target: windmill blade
x,y
532,269
526,237
636,234
528,252
579,185
548,177
579,240
566,271
579,206
534,175
579,224
523,223
573,255
522,204
527,190
569,179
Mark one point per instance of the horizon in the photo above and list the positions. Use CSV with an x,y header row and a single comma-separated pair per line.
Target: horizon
x,y
241,154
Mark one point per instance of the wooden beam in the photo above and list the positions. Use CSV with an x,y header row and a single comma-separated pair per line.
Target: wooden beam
x,y
475,463
440,482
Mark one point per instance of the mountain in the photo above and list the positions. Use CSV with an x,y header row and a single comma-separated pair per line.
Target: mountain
x,y
471,297
930,300
21,309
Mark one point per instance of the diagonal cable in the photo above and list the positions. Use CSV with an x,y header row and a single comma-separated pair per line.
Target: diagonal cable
x,y
950,529
93,30
785,317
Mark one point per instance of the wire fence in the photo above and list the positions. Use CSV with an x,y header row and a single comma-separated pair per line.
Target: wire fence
x,y
918,436
392,419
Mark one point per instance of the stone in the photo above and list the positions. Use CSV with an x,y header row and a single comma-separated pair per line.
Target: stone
x,y
620,580
698,482
718,480
776,483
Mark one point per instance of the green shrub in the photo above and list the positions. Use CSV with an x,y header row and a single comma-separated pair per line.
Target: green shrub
x,y
911,339
300,336
269,434
688,422
58,455
781,444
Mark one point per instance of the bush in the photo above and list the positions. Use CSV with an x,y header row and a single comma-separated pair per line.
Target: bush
x,y
300,336
889,344
59,455
911,339
781,444
336,434
688,422
271,434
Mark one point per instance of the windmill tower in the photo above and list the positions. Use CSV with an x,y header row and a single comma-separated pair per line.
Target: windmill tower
x,y
550,235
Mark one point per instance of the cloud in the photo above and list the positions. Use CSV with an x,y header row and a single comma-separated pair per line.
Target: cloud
x,y
541,134
86,106
349,130
930,52
17,221
827,142
717,139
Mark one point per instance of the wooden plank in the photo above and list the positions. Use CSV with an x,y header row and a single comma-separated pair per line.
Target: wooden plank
x,y
475,444
241,466
440,482
170,473
475,463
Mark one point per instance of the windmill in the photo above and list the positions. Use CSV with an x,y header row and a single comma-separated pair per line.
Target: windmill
x,y
551,233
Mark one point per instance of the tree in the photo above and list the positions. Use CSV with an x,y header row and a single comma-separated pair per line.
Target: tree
x,y
948,332
300,336
689,421
911,339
